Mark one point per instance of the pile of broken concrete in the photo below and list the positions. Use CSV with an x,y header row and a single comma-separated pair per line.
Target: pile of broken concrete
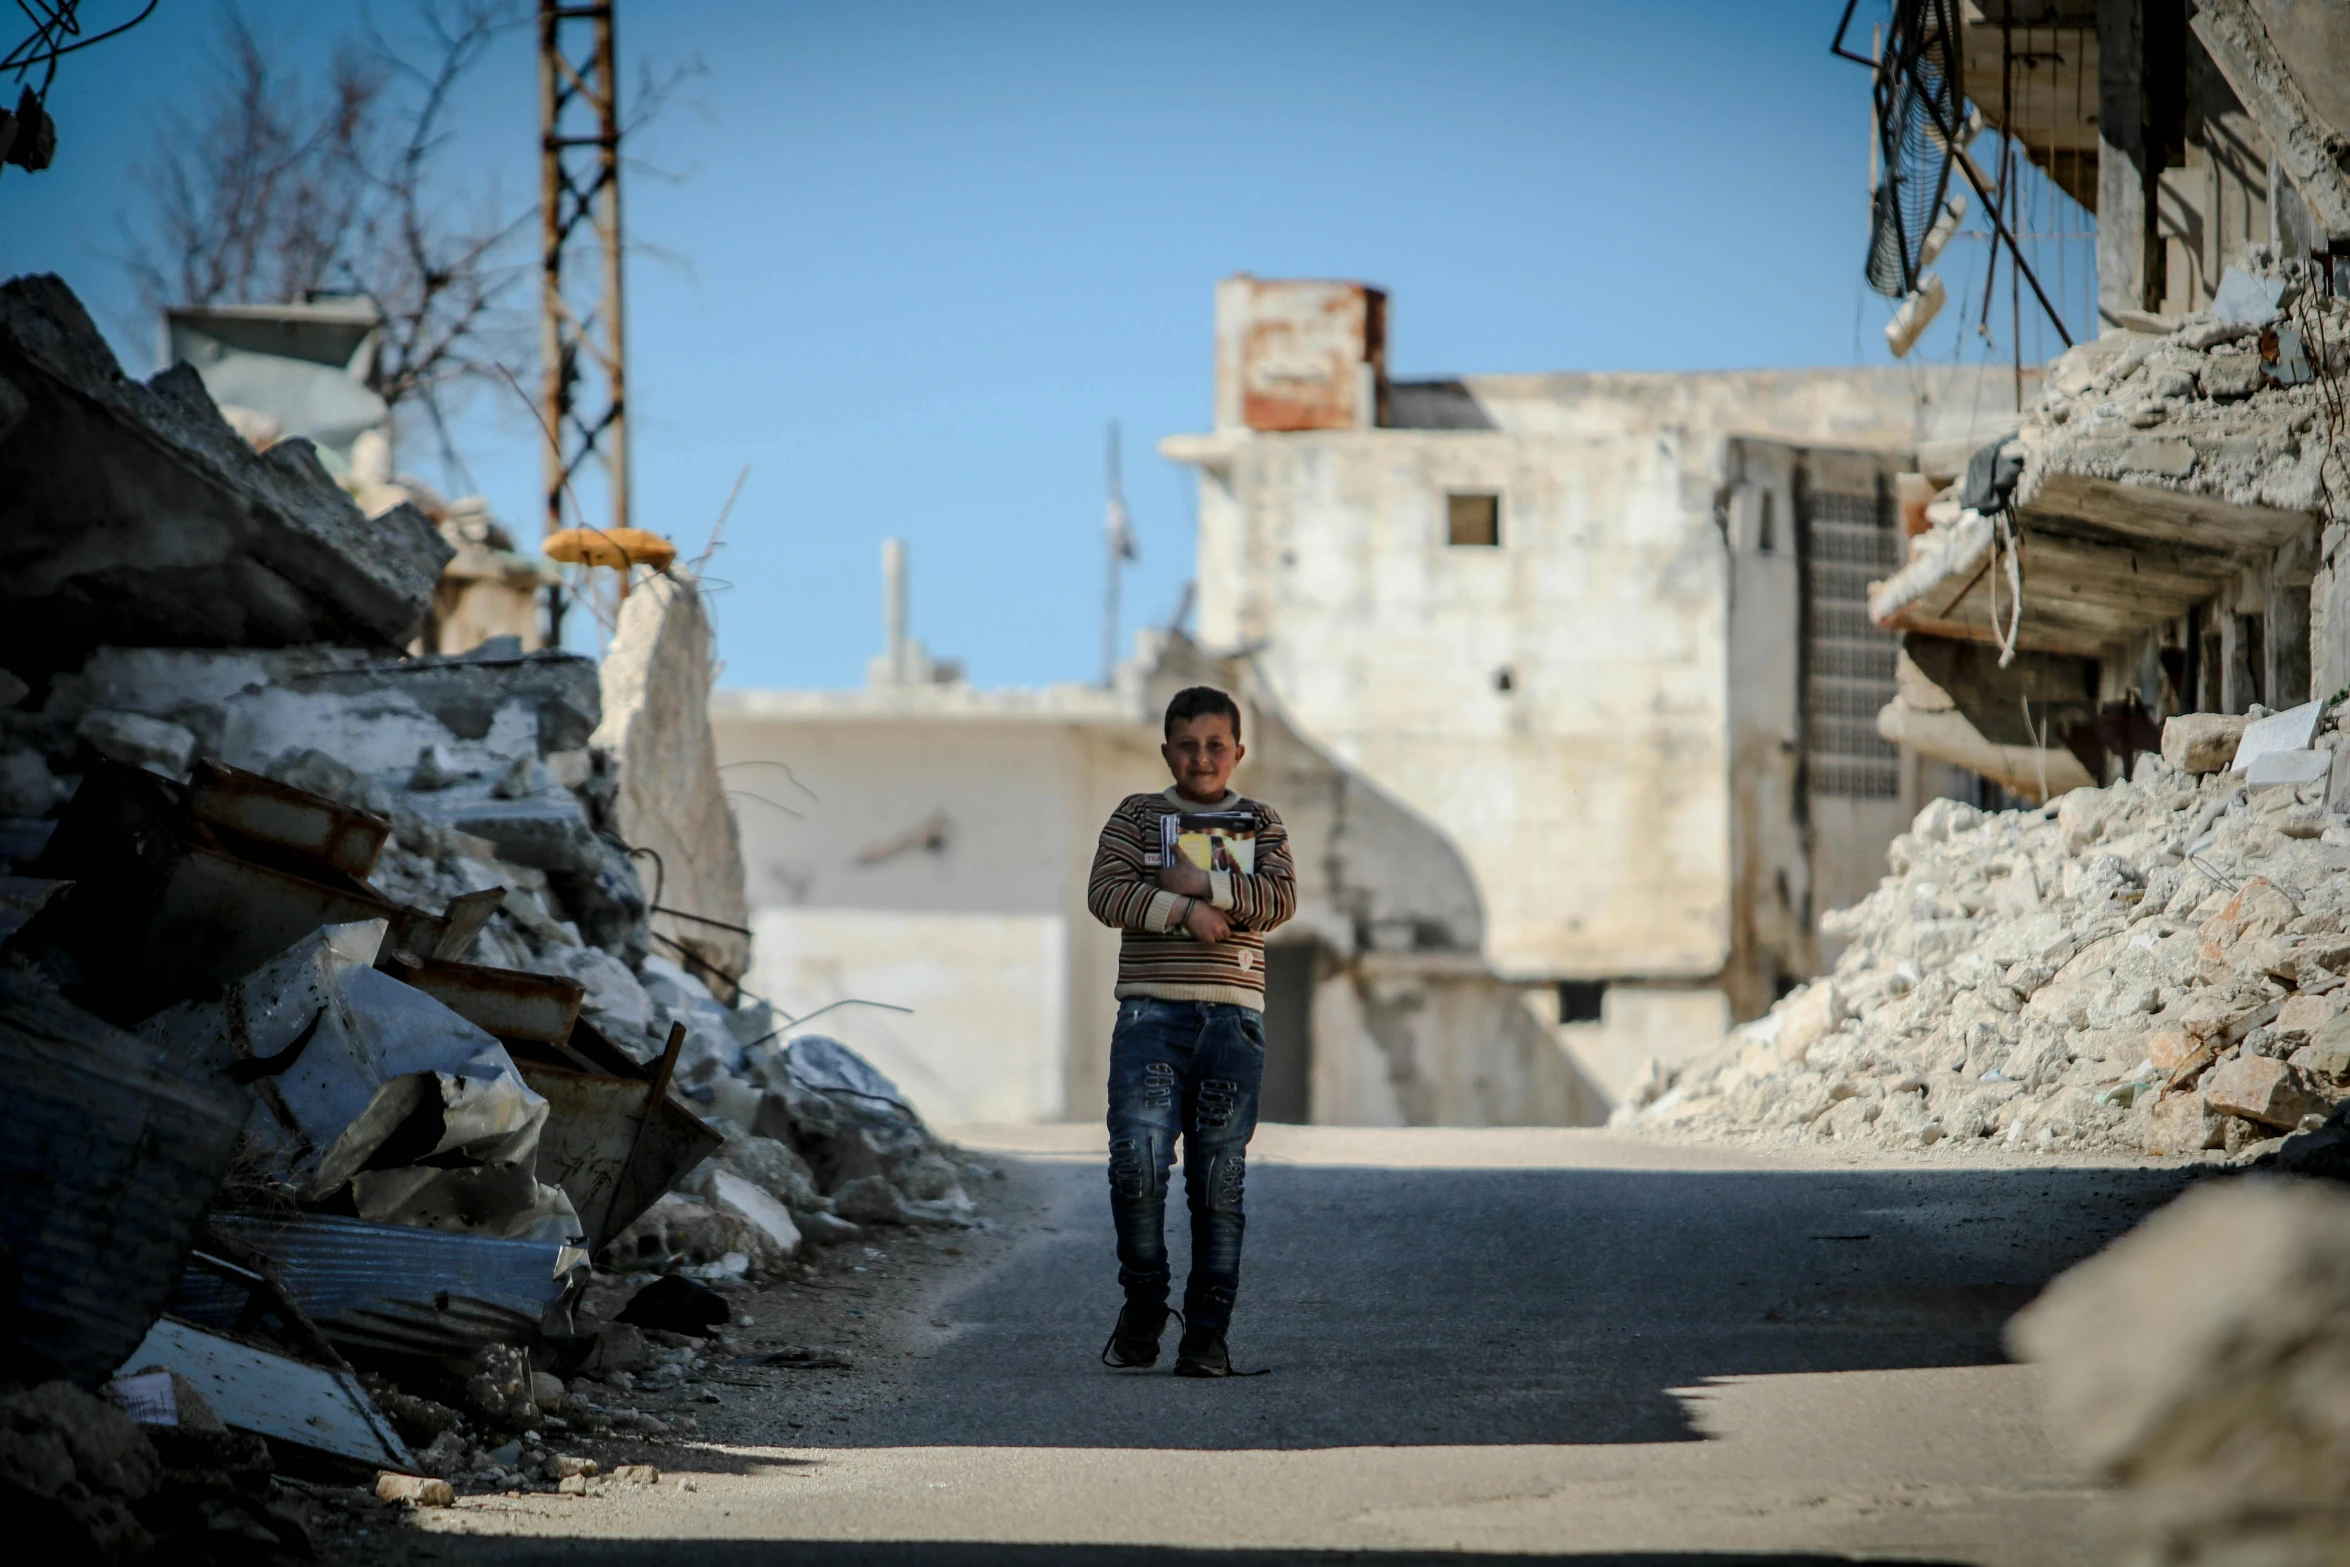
x,y
2156,966
341,1038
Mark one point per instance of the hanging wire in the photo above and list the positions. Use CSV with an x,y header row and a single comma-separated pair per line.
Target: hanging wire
x,y
54,23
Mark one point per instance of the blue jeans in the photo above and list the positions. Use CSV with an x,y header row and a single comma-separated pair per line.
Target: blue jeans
x,y
1190,1069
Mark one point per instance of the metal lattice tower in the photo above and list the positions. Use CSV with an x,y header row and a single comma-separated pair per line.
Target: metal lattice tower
x,y
581,342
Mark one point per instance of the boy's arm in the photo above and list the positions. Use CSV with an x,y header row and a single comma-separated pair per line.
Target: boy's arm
x,y
1121,892
1260,900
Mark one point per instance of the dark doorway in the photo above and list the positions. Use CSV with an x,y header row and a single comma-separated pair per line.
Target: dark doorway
x,y
1290,972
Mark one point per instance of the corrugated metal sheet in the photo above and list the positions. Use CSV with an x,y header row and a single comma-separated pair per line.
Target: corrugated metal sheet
x,y
285,1399
390,1287
110,1150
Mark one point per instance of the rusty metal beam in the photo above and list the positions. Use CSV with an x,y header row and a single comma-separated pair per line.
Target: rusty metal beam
x,y
582,344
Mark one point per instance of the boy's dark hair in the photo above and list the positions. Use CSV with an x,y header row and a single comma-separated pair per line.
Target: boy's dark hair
x,y
1198,702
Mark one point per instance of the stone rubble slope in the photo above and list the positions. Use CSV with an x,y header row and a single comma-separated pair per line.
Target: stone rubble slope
x,y
2156,966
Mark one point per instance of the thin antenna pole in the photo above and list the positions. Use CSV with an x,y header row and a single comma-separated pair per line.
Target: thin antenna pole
x,y
1118,542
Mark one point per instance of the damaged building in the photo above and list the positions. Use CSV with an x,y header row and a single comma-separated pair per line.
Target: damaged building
x,y
2155,538
383,1087
2129,611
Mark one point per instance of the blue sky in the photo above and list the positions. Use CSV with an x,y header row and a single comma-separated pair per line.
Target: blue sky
x,y
920,253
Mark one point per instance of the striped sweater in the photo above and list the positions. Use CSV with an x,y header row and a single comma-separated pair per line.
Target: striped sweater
x,y
1158,957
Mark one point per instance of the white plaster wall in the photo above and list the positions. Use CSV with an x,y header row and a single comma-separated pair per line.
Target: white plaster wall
x,y
1638,1023
1588,799
987,1037
1017,785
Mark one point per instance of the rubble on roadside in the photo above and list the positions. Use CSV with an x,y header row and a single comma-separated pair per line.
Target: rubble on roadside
x,y
2156,967
341,1036
2212,1393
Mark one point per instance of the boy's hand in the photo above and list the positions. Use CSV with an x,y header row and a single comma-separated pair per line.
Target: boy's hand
x,y
1206,923
1185,879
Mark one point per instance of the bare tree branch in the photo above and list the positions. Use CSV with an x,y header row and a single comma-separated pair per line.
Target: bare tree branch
x,y
280,186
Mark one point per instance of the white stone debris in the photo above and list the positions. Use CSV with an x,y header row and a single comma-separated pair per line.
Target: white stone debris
x,y
2156,966
2215,1393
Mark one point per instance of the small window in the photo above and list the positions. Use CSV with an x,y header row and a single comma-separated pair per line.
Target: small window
x,y
1766,539
1472,519
1580,1000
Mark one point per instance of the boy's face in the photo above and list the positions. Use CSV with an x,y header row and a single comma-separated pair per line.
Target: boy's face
x,y
1201,753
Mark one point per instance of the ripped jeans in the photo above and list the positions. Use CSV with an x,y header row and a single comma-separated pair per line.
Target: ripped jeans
x,y
1188,1068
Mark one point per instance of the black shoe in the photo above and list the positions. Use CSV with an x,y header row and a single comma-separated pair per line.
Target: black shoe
x,y
1134,1342
1201,1353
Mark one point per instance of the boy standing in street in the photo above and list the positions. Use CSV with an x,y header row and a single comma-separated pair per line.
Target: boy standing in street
x,y
1188,1053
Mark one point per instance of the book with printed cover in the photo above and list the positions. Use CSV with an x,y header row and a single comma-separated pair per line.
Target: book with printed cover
x,y
1211,840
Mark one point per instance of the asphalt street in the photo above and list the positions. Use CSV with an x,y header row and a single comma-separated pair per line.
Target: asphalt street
x,y
1533,1344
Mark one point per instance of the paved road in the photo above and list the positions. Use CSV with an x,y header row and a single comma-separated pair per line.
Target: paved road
x,y
1482,1344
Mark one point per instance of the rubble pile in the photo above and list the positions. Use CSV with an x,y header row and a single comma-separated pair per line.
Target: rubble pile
x,y
2213,1393
341,1036
2154,966
2232,392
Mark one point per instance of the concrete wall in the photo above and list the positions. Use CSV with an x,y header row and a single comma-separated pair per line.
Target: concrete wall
x,y
928,847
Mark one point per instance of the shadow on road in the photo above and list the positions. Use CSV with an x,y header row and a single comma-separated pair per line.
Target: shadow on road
x,y
1442,1307
935,1553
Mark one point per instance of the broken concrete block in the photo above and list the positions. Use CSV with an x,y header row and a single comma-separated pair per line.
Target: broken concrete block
x,y
2306,1015
1809,1017
770,1221
2183,1123
620,1346
2202,742
2263,1089
2329,1051
2246,298
656,727
2291,730
2171,1048
436,768
136,741
2232,377
774,1167
870,1199
2202,1358
636,1474
2288,769
675,1232
2257,909
415,1490
135,514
